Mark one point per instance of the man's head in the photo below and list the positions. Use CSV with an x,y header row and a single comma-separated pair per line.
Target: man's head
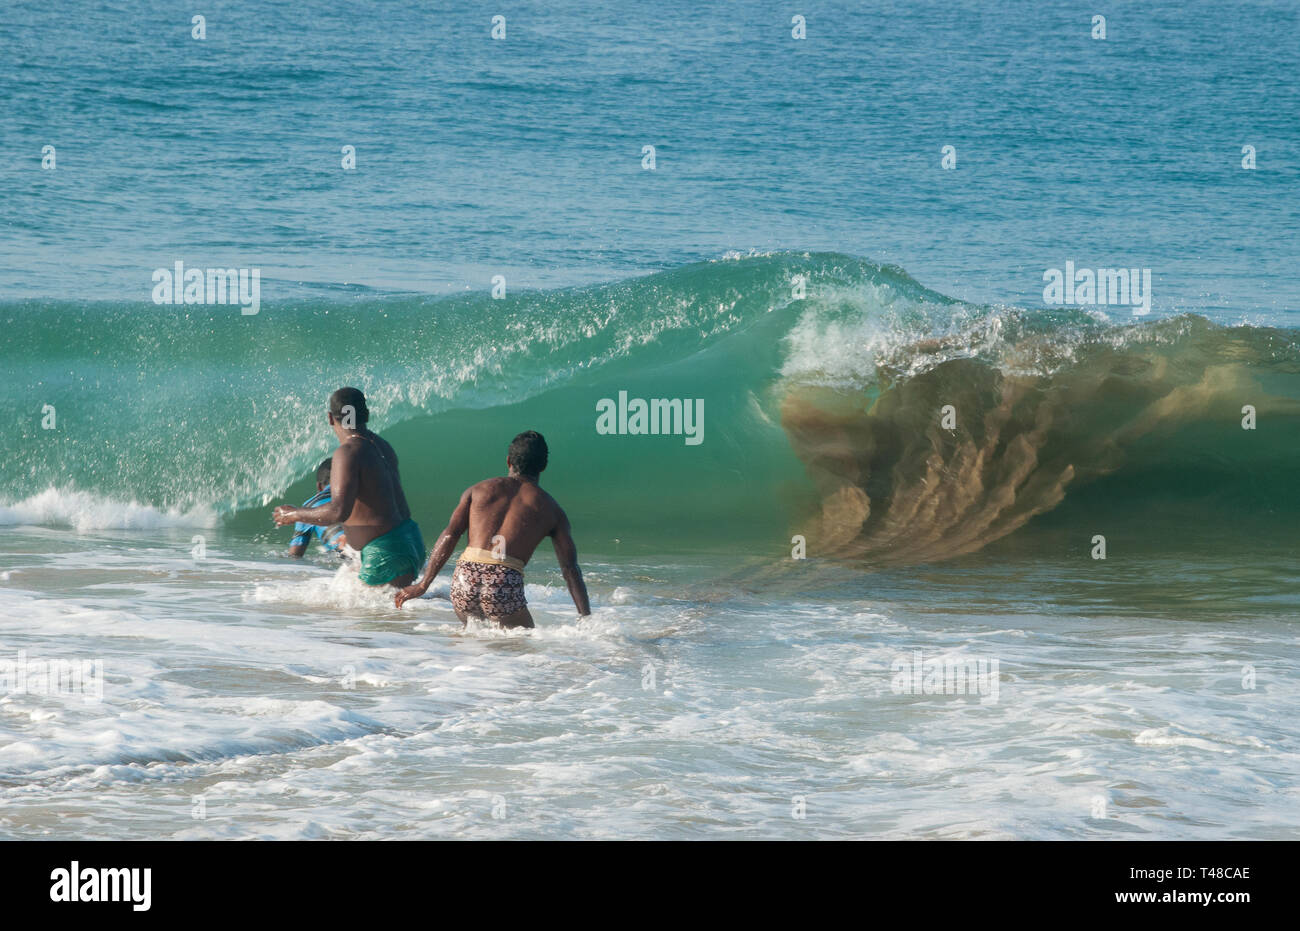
x,y
348,409
323,474
527,453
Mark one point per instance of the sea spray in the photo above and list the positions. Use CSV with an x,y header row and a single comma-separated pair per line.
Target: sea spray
x,y
824,412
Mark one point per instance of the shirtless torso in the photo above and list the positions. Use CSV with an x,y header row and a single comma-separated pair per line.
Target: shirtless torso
x,y
365,472
511,512
367,498
509,517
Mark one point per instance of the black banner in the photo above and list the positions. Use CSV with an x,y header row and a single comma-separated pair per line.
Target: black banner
x,y
1156,880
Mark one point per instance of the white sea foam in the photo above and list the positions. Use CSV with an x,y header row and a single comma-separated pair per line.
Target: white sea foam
x,y
282,699
83,511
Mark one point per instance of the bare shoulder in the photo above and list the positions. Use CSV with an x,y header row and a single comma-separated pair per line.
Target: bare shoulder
x,y
346,451
487,488
550,506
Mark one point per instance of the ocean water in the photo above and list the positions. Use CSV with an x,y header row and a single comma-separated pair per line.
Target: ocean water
x,y
911,460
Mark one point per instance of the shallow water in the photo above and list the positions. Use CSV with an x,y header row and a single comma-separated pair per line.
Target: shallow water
x,y
283,700
722,688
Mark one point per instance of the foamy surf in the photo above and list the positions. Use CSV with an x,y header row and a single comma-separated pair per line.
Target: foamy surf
x,y
852,396
163,687
83,511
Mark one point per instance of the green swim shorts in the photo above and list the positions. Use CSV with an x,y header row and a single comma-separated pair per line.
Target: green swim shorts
x,y
398,552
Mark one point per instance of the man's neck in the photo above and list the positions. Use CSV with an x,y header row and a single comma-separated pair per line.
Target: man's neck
x,y
344,433
522,477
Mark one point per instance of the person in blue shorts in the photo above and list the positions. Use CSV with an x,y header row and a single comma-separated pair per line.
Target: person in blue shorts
x,y
367,496
332,537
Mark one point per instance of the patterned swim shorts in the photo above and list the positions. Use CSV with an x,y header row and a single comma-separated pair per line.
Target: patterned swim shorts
x,y
486,590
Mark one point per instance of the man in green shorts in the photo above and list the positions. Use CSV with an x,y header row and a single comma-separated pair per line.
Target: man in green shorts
x,y
367,497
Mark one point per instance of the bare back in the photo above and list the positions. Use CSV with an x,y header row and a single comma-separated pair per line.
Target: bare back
x,y
512,508
380,504
507,517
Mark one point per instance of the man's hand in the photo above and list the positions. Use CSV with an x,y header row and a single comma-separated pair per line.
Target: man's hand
x,y
406,594
283,515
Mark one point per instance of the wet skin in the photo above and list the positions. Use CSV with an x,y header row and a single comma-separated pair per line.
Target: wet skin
x,y
366,488
515,508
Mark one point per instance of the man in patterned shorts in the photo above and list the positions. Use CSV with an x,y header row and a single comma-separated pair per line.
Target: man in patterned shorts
x,y
506,518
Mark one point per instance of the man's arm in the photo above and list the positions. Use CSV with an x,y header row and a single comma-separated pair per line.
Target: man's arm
x,y
442,550
344,482
301,537
566,554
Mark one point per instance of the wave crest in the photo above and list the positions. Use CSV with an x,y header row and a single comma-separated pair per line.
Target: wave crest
x,y
83,511
932,459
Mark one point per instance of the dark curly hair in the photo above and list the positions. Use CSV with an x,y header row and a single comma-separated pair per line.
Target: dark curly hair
x,y
527,454
350,396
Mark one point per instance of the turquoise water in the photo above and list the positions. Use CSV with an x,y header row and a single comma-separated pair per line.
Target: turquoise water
x,y
522,157
799,262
